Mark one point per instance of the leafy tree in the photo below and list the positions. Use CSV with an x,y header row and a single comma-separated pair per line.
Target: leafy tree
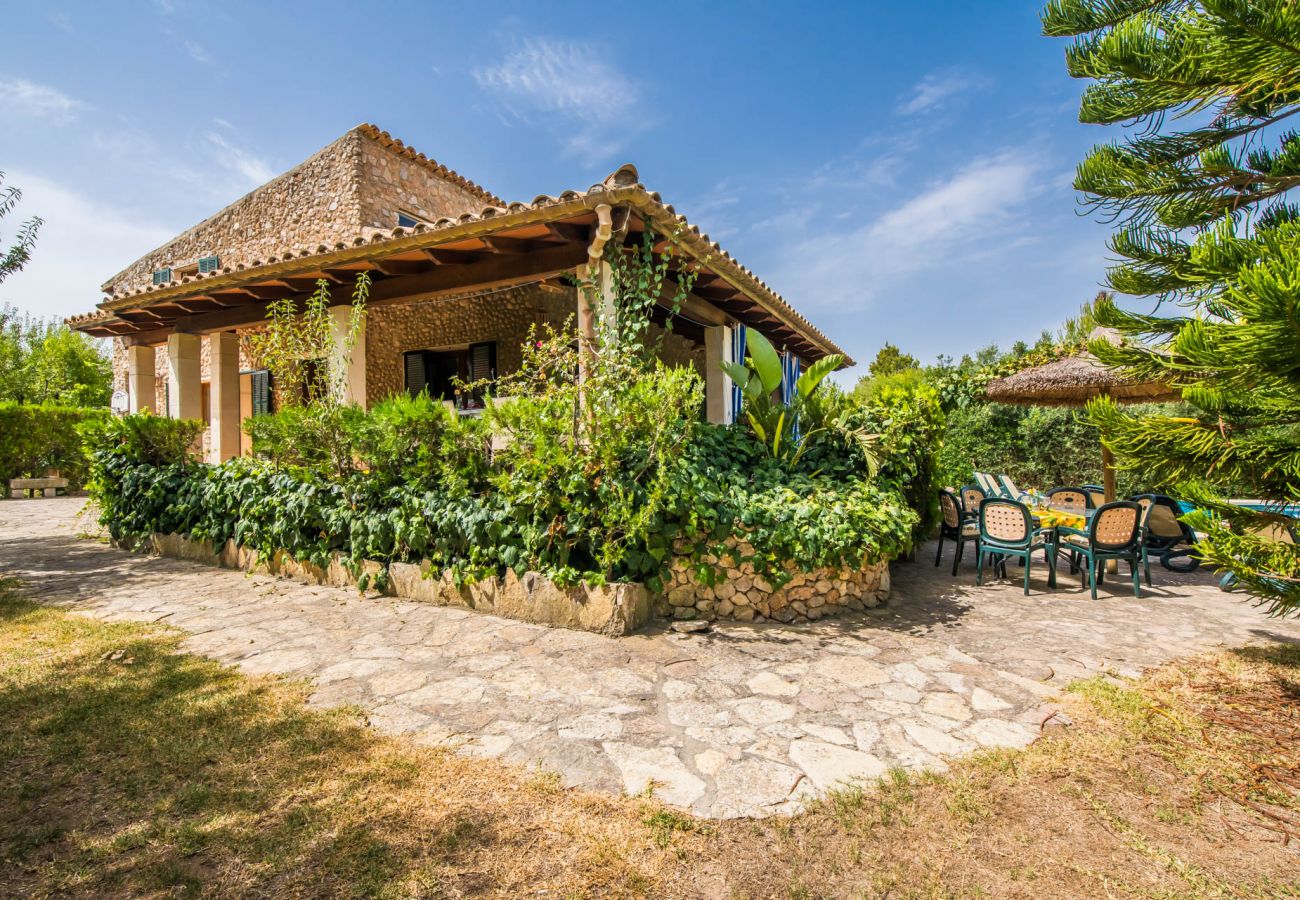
x,y
21,251
43,361
890,360
1203,225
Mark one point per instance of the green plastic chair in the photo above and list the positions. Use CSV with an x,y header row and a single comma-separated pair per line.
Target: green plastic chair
x,y
971,495
955,527
1006,529
1115,532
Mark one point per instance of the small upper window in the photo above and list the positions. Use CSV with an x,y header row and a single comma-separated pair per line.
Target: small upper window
x,y
406,220
162,276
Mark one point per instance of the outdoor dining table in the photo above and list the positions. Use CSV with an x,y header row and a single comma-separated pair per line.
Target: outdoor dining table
x,y
1055,517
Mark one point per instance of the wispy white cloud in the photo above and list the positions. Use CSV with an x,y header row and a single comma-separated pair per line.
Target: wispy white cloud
x,y
61,21
252,170
82,243
599,106
198,53
936,89
21,97
975,200
957,218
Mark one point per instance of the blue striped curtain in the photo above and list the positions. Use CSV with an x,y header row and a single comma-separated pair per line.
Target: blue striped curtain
x,y
790,369
737,356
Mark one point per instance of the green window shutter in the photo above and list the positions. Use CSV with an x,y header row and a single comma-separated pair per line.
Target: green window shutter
x,y
209,264
416,369
162,276
261,392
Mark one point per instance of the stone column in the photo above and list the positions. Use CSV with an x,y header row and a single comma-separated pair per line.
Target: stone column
x,y
717,386
223,357
184,377
353,363
141,379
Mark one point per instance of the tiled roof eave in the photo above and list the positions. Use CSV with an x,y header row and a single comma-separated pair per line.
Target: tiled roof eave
x,y
665,220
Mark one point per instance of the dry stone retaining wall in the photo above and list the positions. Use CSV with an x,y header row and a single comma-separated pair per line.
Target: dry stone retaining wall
x,y
741,594
612,609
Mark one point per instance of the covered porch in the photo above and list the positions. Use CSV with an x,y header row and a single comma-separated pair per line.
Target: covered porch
x,y
451,299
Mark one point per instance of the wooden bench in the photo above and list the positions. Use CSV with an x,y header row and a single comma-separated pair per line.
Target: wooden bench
x,y
19,486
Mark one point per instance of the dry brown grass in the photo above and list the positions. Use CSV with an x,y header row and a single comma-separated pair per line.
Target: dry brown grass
x,y
157,773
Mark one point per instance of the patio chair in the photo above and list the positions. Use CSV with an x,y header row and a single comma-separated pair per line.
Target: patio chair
x,y
1115,532
1007,529
1076,499
955,527
971,495
1168,538
988,485
1009,487
1097,493
1146,503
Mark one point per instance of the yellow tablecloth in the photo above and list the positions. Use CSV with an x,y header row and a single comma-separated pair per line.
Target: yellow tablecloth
x,y
1055,518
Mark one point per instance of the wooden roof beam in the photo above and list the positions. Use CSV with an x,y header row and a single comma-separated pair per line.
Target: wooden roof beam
x,y
402,266
497,244
441,257
569,231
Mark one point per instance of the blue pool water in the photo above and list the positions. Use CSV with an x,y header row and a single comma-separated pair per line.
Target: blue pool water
x,y
1292,510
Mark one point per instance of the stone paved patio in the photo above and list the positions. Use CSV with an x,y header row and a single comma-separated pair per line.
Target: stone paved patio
x,y
748,720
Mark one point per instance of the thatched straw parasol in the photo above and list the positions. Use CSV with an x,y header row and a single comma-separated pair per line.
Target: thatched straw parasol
x,y
1075,380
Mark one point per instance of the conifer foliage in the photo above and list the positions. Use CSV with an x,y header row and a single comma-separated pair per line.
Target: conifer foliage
x,y
1199,192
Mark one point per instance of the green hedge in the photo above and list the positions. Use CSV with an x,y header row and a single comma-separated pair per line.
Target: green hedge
x,y
723,485
34,439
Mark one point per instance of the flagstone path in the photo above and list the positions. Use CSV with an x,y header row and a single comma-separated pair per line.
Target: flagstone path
x,y
744,721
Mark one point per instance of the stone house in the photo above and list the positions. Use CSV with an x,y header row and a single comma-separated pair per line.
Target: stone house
x,y
459,277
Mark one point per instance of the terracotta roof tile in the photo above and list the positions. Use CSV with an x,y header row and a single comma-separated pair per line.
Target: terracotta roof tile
x,y
623,182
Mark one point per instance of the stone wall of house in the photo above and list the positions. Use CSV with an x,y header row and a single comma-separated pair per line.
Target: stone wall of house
x,y
741,594
354,184
503,316
316,202
390,184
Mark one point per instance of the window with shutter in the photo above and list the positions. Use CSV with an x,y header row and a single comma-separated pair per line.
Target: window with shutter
x,y
416,368
483,361
261,391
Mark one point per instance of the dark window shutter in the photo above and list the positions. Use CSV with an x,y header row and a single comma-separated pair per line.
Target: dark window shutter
x,y
417,378
261,385
483,361
167,397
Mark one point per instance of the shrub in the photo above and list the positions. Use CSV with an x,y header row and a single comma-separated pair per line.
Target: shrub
x,y
597,468
34,439
1040,447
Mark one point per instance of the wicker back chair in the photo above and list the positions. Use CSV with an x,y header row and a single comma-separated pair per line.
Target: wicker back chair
x,y
1166,537
1115,532
1072,498
955,526
1007,529
971,495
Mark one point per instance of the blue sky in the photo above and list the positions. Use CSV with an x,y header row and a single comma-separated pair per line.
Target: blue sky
x,y
897,171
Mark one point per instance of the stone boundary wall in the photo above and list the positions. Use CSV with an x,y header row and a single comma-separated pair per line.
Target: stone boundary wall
x,y
742,595
613,609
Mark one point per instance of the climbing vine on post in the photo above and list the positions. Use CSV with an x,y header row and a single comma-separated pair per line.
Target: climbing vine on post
x,y
307,357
